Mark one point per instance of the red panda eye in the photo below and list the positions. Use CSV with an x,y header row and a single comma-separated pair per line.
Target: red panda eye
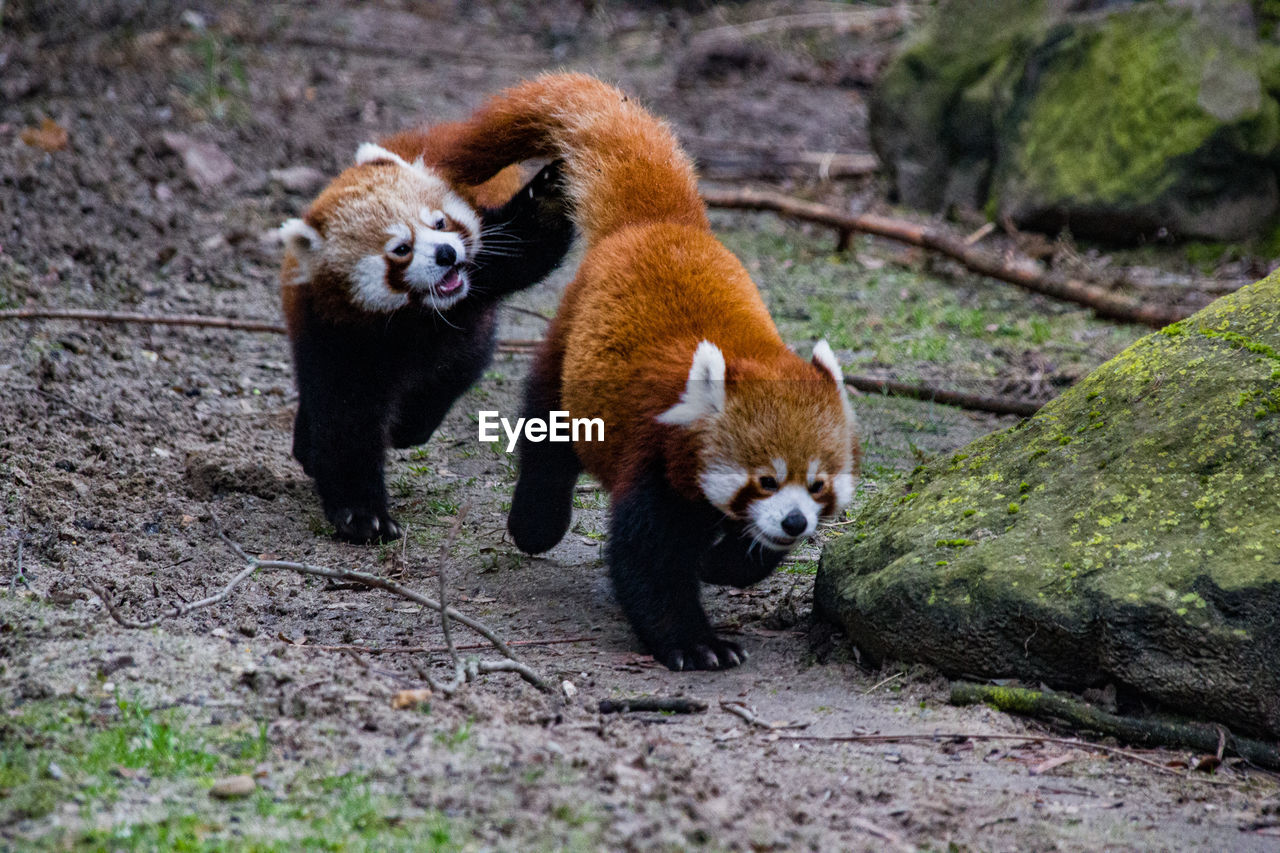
x,y
769,484
816,486
402,250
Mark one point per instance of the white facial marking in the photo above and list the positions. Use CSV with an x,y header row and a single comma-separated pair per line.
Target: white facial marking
x,y
433,219
812,474
721,482
780,469
463,214
369,285
703,395
400,234
843,486
767,515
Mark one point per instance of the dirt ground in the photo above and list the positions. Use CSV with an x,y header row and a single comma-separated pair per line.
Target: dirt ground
x,y
123,448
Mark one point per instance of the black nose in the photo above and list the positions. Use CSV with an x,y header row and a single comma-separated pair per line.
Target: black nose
x,y
445,255
795,523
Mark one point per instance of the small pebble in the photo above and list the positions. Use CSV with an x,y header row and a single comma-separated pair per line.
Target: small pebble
x,y
232,787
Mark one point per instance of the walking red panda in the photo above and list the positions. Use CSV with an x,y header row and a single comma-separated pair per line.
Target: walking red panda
x,y
390,285
722,448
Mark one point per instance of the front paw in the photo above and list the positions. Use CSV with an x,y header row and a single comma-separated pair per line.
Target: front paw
x,y
362,525
711,652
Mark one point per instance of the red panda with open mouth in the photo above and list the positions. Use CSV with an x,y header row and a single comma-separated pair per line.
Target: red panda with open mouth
x,y
390,284
722,448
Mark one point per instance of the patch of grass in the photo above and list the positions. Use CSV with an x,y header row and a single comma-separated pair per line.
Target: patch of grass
x,y
218,88
456,737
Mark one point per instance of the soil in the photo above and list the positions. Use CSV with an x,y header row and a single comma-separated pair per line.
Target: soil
x,y
124,450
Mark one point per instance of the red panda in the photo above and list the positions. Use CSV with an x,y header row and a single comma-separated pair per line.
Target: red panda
x,y
390,286
722,448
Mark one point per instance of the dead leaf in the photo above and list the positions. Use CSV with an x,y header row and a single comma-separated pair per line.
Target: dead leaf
x,y
410,698
1207,763
49,136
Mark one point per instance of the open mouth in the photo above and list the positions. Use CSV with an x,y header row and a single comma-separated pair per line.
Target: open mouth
x,y
450,284
778,543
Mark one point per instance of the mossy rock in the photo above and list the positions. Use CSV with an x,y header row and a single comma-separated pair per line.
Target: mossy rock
x,y
1154,119
1128,532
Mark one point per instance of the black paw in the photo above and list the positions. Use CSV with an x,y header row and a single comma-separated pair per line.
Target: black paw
x,y
537,525
713,653
364,525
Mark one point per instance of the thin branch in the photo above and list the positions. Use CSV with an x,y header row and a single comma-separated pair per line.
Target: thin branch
x,y
134,317
957,736
390,650
839,21
1202,737
198,321
178,609
740,710
670,704
1105,303
930,394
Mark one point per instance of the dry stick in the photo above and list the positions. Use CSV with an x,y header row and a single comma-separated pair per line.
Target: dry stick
x,y
193,320
841,21
672,704
716,163
465,647
1083,744
178,609
747,715
1112,306
1201,737
977,402
366,579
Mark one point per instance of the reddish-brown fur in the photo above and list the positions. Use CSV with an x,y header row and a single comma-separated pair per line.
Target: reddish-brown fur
x,y
654,281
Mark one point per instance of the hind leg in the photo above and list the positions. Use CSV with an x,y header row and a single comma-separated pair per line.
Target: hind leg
x,y
542,507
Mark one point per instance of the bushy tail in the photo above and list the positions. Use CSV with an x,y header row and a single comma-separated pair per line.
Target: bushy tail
x,y
623,164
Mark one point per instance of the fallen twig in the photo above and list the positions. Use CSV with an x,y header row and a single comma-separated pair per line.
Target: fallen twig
x,y
741,711
837,21
930,394
392,650
670,704
961,736
1202,737
198,321
717,163
1105,303
180,609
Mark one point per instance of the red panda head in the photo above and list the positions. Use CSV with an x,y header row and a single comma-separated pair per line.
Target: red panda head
x,y
384,235
777,444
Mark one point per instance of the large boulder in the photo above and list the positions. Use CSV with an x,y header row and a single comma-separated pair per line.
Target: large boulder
x,y
1138,120
1128,532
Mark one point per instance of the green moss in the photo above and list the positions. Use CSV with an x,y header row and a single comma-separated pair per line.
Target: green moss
x,y
1151,63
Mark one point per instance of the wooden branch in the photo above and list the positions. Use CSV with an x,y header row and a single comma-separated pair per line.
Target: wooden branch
x,y
1202,737
839,21
717,163
670,704
962,736
1105,303
177,610
191,320
977,402
132,317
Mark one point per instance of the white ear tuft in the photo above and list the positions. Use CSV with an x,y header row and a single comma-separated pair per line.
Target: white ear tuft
x,y
303,242
826,359
703,395
368,152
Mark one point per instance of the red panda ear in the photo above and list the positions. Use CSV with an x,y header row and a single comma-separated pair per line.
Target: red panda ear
x,y
703,395
371,153
824,358
302,241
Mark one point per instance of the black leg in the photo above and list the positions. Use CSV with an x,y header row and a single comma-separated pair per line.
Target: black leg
x,y
525,239
342,428
656,540
734,561
542,507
